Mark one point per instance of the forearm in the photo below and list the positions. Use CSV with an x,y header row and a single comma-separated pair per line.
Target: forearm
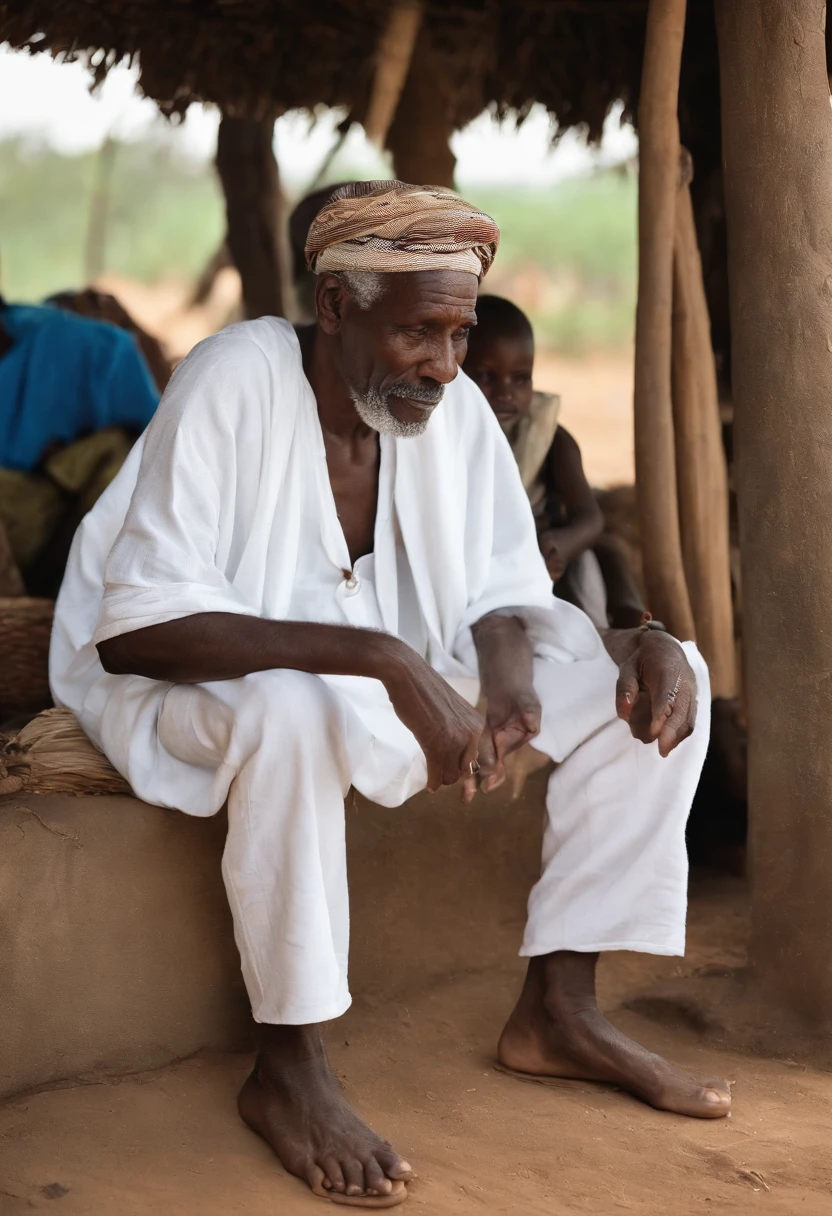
x,y
575,537
224,646
505,654
621,644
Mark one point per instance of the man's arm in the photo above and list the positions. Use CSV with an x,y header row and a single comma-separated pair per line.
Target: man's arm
x,y
225,646
506,663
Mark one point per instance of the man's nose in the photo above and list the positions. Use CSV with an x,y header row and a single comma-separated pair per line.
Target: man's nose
x,y
441,363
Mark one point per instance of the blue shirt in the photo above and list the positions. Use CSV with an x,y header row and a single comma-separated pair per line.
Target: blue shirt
x,y
65,377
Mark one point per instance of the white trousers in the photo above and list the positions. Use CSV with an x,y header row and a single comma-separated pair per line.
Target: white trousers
x,y
614,871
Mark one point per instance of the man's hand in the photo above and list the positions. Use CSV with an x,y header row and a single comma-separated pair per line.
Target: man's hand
x,y
513,710
656,691
449,731
512,721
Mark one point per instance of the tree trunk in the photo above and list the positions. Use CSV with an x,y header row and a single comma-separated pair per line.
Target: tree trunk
x,y
664,575
248,172
419,136
777,140
700,457
95,246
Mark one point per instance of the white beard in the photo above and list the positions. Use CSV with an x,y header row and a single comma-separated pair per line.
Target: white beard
x,y
374,412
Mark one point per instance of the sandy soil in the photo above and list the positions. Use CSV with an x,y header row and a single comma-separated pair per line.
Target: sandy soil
x,y
597,408
420,1069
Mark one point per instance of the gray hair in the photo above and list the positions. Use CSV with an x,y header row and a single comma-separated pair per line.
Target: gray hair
x,y
364,286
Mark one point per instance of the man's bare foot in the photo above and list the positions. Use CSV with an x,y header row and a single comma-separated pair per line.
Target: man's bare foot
x,y
557,1030
295,1103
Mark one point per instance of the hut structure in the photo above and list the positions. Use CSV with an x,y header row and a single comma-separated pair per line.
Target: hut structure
x,y
743,86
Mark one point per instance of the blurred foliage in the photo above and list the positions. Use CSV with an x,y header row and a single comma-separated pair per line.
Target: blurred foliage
x,y
568,257
568,253
165,217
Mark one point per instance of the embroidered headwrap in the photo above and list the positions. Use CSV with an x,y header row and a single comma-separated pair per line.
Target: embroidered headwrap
x,y
391,227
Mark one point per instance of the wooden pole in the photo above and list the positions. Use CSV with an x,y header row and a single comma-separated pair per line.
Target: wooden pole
x,y
664,575
395,52
255,212
700,458
419,136
777,149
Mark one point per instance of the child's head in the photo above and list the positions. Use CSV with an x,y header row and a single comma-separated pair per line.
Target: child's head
x,y
501,357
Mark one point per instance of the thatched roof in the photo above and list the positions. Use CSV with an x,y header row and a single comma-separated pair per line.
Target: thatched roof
x,y
577,57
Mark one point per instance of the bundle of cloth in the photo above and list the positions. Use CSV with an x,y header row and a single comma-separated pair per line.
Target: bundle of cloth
x,y
75,393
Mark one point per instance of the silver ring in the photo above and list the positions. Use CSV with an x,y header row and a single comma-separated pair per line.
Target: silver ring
x,y
474,767
671,696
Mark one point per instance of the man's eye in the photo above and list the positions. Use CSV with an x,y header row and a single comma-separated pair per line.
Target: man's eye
x,y
463,334
421,332
522,378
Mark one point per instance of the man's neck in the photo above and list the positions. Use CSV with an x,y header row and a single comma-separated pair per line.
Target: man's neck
x,y
336,409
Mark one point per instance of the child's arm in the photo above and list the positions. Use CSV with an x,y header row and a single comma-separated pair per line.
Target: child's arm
x,y
584,521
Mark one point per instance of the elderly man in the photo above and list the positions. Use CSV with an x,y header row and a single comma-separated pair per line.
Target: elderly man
x,y
300,582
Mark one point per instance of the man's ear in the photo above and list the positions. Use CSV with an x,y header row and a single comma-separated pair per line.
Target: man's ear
x,y
330,300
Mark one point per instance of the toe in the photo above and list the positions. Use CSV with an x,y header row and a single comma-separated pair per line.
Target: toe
x,y
332,1168
315,1178
377,1181
716,1097
353,1172
393,1165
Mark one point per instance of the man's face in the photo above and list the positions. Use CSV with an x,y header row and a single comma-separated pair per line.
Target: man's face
x,y
502,369
397,356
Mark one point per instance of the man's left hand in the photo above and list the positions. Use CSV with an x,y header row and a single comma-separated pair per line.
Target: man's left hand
x,y
512,719
512,709
656,692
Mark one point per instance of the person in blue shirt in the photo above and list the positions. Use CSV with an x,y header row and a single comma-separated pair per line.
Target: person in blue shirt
x,y
75,393
63,377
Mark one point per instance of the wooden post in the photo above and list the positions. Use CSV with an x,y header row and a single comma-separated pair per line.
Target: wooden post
x,y
419,136
664,574
700,458
395,53
777,149
255,213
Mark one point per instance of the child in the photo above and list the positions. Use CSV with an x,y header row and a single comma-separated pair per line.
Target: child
x,y
570,525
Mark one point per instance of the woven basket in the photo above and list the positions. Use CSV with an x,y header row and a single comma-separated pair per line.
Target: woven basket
x,y
25,629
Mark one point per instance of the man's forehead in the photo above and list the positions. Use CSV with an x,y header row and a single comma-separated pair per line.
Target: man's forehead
x,y
432,290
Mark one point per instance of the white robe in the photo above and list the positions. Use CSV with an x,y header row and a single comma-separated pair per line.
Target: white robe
x,y
225,505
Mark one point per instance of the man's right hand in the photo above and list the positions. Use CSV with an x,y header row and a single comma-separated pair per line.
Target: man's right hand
x,y
449,731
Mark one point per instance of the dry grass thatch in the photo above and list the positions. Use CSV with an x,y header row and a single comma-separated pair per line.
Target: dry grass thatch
x,y
254,57
52,755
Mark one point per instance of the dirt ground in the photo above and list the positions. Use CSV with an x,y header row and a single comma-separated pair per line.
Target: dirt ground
x,y
420,1069
597,408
